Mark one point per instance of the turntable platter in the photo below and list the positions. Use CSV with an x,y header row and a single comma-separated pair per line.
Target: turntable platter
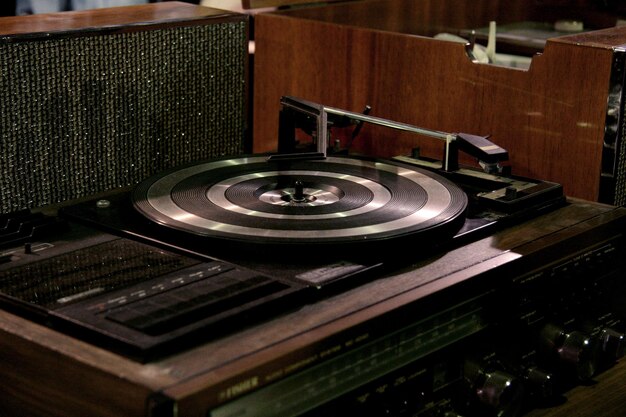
x,y
333,200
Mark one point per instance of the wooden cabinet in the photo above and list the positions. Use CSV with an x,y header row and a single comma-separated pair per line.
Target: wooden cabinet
x,y
560,119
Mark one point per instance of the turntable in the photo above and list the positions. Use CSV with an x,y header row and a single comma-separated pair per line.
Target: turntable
x,y
206,245
306,203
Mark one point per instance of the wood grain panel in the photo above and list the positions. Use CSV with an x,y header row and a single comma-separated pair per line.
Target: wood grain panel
x,y
48,374
427,17
256,4
550,117
106,17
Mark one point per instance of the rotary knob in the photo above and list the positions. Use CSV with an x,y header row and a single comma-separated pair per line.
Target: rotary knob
x,y
540,383
612,345
575,353
500,392
578,351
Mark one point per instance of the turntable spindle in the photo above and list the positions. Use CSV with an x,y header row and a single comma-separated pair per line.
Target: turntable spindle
x,y
298,195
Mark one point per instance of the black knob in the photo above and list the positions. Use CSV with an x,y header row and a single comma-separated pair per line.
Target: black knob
x,y
612,345
579,351
500,393
574,353
540,383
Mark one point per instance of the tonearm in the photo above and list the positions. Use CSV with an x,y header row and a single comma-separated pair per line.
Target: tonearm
x,y
316,119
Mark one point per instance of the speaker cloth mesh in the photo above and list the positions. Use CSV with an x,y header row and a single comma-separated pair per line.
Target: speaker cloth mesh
x,y
86,114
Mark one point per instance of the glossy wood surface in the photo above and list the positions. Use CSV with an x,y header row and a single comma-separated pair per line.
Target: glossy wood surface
x,y
257,4
45,373
428,17
155,13
550,117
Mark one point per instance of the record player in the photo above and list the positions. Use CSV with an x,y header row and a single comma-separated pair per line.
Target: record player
x,y
206,245
249,277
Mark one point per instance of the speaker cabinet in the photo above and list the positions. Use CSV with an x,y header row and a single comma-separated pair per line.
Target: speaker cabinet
x,y
96,100
561,119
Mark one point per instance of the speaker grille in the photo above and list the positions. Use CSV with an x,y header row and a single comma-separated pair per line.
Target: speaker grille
x,y
81,115
620,174
613,175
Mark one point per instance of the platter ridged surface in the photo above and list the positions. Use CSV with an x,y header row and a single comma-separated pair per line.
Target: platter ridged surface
x,y
332,200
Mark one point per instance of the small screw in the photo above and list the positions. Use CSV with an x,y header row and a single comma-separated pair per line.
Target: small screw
x,y
103,204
